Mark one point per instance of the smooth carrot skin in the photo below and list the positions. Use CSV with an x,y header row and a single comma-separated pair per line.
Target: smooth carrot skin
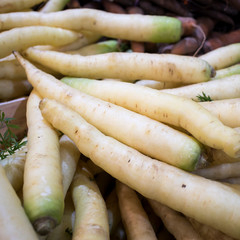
x,y
135,219
227,110
123,26
223,88
14,223
164,107
91,219
148,136
126,66
69,155
19,39
43,197
207,201
13,6
223,57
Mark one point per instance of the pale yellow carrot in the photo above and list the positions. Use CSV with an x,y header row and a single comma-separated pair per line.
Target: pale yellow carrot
x,y
208,201
14,223
126,66
164,107
148,136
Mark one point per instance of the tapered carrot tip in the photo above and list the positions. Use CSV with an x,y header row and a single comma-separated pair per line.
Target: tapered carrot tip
x,y
44,225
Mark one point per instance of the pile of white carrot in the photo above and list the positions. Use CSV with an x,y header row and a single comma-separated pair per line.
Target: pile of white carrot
x,y
118,144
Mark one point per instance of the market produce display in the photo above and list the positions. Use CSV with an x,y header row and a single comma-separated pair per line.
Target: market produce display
x,y
129,119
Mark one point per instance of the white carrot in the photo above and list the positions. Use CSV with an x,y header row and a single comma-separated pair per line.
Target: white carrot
x,y
223,57
42,186
123,26
223,88
69,155
148,136
91,219
14,223
19,39
126,66
167,108
227,110
157,84
13,6
207,201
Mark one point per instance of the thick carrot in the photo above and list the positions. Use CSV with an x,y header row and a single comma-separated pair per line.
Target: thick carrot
x,y
69,155
148,136
14,223
142,28
207,201
226,110
126,66
135,219
24,37
43,196
223,56
166,108
219,89
12,5
91,219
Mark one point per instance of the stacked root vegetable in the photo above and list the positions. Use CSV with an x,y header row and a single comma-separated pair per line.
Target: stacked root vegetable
x,y
132,115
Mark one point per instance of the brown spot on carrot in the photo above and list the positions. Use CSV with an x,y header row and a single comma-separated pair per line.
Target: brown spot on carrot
x,y
170,70
148,131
